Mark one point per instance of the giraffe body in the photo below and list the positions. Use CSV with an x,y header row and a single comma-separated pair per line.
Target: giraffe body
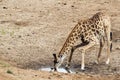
x,y
91,32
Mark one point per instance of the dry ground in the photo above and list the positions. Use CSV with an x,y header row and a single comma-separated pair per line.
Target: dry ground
x,y
31,30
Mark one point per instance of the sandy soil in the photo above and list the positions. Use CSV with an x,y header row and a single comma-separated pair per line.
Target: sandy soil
x,y
28,74
32,30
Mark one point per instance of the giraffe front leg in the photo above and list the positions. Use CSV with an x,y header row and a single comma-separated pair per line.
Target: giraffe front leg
x,y
67,67
70,58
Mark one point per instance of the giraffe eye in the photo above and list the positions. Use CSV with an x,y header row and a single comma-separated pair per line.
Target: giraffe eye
x,y
55,61
61,56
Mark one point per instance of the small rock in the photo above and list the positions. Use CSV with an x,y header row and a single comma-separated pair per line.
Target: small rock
x,y
72,6
36,75
64,3
9,48
114,69
118,48
33,32
117,40
4,7
74,21
49,77
28,35
19,36
58,2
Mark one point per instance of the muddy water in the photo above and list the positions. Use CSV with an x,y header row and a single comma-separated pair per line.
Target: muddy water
x,y
59,70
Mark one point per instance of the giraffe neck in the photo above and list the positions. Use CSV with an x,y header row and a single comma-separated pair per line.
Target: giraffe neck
x,y
66,47
70,41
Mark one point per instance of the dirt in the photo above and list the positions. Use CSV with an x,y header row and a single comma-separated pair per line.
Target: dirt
x,y
32,30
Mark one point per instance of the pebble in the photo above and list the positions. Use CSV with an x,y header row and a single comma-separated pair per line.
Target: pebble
x,y
4,7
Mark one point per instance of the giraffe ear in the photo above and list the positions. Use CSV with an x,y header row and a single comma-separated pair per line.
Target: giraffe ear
x,y
54,55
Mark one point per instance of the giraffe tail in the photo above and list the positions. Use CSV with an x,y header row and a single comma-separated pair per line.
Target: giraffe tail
x,y
111,41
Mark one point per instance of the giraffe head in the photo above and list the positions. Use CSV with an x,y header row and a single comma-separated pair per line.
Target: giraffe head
x,y
58,61
55,61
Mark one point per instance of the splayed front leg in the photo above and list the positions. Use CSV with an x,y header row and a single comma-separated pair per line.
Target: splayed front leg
x,y
67,68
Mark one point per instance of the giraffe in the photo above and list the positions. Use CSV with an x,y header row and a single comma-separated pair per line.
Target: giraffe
x,y
91,32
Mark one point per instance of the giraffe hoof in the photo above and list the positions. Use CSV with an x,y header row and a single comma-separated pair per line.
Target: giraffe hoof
x,y
67,69
107,62
96,62
82,69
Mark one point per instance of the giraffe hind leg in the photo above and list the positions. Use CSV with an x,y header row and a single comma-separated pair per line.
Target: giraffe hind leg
x,y
111,41
83,49
108,45
102,42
